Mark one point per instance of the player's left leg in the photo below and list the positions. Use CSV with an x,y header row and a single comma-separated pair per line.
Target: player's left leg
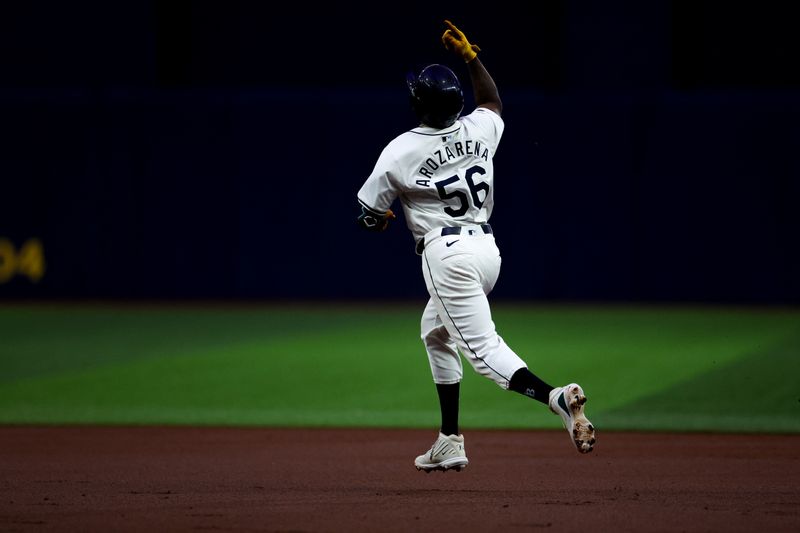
x,y
445,365
442,353
448,451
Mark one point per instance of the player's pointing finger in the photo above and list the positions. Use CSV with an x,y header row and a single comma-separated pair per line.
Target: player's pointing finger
x,y
452,27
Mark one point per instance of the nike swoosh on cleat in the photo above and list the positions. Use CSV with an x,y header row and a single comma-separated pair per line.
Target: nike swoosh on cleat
x,y
449,244
563,404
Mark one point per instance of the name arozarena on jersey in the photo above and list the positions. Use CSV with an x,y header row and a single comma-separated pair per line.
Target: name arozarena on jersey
x,y
446,154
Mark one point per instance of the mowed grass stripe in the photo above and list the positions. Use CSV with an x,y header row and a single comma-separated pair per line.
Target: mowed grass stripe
x,y
365,366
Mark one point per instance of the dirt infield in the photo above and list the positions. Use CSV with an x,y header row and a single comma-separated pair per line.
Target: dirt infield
x,y
188,479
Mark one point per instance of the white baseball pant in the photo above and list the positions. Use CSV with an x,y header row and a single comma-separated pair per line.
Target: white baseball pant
x,y
460,271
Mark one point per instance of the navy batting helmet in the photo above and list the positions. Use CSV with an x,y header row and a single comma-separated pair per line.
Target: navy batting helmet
x,y
436,96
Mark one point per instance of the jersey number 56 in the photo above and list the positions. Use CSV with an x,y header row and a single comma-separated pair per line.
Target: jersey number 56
x,y
474,189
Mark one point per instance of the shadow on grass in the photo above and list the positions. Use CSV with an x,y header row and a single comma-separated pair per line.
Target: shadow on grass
x,y
757,393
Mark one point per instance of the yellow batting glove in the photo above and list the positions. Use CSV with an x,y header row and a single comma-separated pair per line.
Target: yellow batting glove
x,y
455,40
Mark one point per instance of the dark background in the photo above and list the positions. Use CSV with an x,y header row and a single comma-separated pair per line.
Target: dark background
x,y
214,149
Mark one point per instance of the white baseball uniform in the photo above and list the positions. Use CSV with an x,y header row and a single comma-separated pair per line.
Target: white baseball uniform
x,y
444,179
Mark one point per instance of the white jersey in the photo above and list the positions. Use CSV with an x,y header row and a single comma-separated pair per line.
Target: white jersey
x,y
443,177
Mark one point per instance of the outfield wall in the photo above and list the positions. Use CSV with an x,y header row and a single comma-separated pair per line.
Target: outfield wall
x,y
148,156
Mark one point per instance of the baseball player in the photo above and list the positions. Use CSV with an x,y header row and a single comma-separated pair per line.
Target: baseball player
x,y
443,175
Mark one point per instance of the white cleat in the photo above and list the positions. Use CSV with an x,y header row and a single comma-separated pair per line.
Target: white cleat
x,y
447,453
567,402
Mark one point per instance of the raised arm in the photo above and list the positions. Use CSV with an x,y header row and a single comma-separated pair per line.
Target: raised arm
x,y
483,86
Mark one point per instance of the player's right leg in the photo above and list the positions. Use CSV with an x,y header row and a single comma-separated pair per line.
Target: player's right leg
x,y
458,285
568,402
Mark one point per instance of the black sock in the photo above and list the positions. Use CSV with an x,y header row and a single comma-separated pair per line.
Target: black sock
x,y
448,403
526,383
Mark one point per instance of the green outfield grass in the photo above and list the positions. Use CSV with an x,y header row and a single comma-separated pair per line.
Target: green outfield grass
x,y
648,367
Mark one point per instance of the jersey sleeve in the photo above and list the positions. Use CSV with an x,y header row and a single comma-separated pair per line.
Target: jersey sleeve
x,y
490,125
380,189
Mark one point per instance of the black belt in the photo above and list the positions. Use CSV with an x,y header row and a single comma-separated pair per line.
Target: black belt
x,y
453,230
